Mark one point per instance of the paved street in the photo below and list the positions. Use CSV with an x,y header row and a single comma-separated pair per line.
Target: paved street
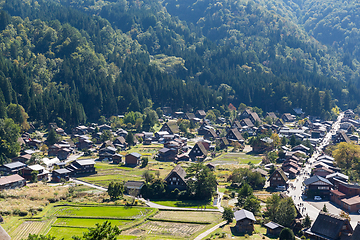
x,y
309,206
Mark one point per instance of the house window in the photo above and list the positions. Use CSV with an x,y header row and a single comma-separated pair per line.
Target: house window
x,y
323,188
279,179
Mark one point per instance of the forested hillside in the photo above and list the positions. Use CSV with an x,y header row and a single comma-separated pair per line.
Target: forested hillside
x,y
77,60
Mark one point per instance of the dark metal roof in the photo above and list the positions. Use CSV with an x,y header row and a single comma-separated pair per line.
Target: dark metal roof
x,y
242,214
14,165
62,171
273,225
135,154
316,178
86,162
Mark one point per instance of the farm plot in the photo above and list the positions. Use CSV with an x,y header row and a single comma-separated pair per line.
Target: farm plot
x,y
86,223
66,233
237,158
188,216
33,227
184,230
103,212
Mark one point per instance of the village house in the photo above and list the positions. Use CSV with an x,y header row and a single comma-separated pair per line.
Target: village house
x,y
59,174
279,122
244,221
12,168
210,134
287,117
336,178
167,154
236,124
198,152
42,174
189,116
82,167
121,132
22,158
263,145
273,228
120,142
349,114
223,143
341,137
234,136
254,118
133,188
200,114
176,179
117,158
245,114
11,182
271,115
322,171
328,226
278,178
33,143
346,196
104,127
318,186
84,143
171,127
262,172
53,150
204,127
132,159
64,153
246,122
80,130
301,148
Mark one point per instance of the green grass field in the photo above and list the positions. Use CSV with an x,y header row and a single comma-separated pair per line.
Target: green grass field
x,y
66,233
186,204
78,222
107,211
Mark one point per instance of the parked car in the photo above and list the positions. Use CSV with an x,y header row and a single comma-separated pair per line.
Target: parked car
x,y
280,188
317,198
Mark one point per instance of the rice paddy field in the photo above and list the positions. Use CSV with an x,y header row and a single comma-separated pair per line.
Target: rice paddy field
x,y
135,222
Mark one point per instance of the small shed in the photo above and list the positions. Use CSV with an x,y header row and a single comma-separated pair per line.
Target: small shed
x,y
134,187
244,221
273,228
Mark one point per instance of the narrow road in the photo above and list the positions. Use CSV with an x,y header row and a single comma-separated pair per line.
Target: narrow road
x,y
204,234
88,184
306,207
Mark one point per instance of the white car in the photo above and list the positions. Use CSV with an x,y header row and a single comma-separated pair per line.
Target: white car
x,y
317,198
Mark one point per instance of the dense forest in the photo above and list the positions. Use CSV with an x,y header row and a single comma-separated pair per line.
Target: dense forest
x,y
74,60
